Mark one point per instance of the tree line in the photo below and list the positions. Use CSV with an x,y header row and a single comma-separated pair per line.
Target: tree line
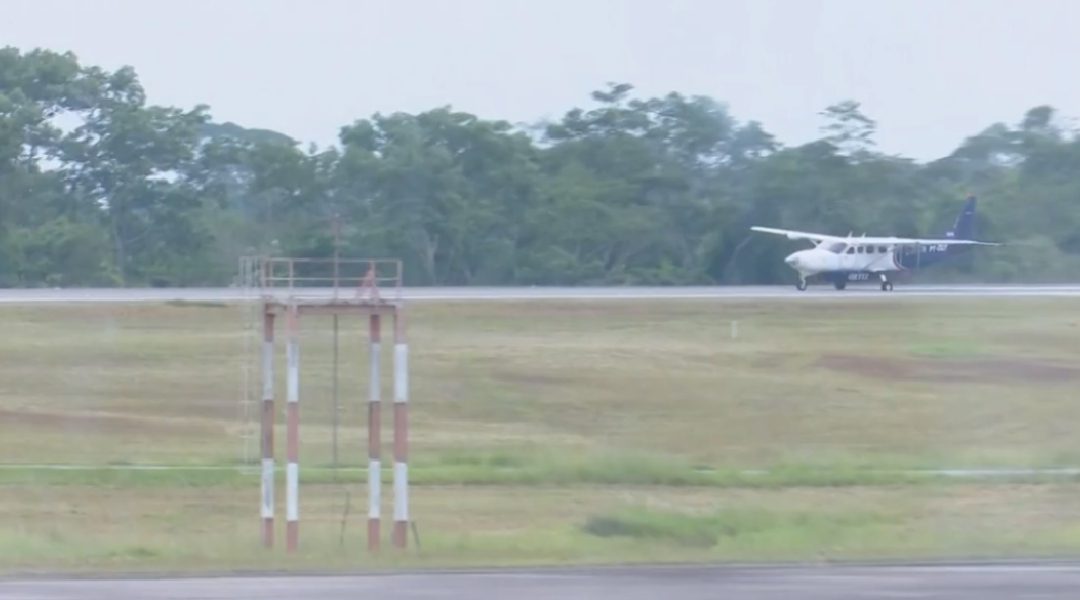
x,y
100,188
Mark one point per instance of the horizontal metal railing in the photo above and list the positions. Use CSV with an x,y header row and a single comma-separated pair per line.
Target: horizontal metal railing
x,y
332,278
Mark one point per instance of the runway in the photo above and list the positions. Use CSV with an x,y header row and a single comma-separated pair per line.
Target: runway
x,y
430,294
953,582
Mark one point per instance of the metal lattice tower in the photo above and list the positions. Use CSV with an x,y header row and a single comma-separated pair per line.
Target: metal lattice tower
x,y
289,291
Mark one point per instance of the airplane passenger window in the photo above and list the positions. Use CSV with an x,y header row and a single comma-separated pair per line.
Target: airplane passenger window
x,y
859,249
851,250
882,249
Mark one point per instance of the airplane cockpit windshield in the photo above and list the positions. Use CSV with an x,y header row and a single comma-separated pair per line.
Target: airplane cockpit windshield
x,y
835,247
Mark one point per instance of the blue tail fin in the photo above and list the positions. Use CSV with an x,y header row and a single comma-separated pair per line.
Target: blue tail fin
x,y
964,227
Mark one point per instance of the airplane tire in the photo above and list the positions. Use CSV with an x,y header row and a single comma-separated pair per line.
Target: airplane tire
x,y
800,285
840,284
886,286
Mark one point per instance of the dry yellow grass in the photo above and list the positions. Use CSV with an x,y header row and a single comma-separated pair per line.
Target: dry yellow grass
x,y
946,383
830,384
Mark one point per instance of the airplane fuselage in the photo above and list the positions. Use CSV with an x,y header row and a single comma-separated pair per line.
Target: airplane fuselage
x,y
853,259
858,258
818,260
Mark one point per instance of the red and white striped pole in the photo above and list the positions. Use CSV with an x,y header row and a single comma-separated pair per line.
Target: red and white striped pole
x,y
292,473
268,429
401,430
374,435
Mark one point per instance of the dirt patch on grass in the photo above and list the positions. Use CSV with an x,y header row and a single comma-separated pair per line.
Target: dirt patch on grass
x,y
773,360
950,370
1051,341
100,422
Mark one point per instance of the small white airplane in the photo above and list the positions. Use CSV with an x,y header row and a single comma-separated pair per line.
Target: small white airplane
x,y
843,259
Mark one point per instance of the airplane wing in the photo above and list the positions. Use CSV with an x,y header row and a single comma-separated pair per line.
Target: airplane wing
x,y
796,235
895,241
891,241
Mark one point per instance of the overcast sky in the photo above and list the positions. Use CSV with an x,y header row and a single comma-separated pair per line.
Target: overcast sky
x,y
930,72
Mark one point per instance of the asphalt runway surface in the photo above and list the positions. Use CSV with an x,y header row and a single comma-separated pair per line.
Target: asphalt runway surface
x,y
952,582
428,294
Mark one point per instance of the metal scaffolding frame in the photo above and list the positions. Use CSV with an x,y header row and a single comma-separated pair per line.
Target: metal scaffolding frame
x,y
293,289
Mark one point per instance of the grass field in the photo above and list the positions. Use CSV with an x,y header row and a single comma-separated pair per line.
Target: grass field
x,y
549,432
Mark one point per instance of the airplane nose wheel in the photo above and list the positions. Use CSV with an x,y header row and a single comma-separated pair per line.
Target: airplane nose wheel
x,y
800,285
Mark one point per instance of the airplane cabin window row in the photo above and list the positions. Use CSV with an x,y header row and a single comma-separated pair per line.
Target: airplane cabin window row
x,y
867,249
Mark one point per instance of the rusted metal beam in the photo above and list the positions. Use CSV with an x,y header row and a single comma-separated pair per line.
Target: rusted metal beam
x,y
401,431
267,437
292,473
374,434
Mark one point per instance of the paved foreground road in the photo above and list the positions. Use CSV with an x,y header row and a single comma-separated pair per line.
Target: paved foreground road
x,y
975,582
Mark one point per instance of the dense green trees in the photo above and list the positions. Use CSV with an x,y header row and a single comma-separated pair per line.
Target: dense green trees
x,y
99,188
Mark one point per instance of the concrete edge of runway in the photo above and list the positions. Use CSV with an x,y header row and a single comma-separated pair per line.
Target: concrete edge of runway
x,y
605,569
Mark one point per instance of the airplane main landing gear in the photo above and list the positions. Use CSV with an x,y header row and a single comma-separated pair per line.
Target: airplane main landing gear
x,y
801,285
886,285
840,284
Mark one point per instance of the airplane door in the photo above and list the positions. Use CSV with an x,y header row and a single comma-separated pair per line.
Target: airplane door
x,y
848,259
910,257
